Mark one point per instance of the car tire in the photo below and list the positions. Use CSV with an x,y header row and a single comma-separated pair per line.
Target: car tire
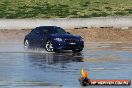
x,y
26,44
77,50
49,46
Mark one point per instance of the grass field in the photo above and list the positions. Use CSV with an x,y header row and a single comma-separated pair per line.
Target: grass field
x,y
64,8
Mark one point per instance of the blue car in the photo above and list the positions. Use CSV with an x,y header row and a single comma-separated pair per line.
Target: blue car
x,y
52,39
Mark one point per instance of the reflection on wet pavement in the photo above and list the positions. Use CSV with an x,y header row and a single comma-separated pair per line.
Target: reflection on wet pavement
x,y
36,68
26,83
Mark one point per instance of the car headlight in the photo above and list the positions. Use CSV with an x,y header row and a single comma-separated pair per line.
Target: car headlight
x,y
58,39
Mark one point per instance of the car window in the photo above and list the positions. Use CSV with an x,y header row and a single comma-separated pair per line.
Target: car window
x,y
45,31
58,30
35,31
51,30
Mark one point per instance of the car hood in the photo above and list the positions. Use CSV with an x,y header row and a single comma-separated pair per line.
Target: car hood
x,y
65,36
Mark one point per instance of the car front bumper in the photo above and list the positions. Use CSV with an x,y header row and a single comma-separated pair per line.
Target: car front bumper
x,y
68,45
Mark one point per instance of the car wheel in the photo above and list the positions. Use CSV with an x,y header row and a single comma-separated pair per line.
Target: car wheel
x,y
77,50
49,46
26,44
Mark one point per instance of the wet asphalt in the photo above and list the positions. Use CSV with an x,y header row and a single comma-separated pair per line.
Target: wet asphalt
x,y
20,68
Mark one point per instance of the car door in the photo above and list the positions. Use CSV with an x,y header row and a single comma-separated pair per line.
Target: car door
x,y
39,36
35,37
44,32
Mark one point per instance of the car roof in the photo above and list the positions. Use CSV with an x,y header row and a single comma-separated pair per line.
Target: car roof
x,y
47,27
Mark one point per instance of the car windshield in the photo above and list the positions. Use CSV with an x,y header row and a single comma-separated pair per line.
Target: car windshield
x,y
53,30
58,30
